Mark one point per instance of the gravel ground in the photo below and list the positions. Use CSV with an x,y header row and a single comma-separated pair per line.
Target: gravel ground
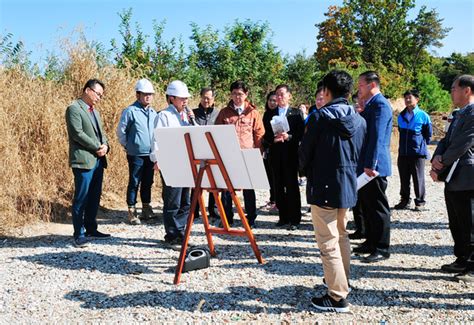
x,y
129,278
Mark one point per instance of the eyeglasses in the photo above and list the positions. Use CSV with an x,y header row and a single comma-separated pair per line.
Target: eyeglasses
x,y
100,95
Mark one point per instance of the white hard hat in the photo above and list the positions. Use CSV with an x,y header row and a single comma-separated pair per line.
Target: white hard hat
x,y
144,86
178,88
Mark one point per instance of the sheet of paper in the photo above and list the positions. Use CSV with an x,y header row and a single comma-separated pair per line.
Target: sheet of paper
x,y
363,179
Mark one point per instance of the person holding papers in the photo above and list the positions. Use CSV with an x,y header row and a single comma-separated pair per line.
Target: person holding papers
x,y
454,157
176,200
375,157
329,153
283,138
249,127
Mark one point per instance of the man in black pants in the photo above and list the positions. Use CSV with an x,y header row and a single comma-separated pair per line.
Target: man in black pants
x,y
284,160
375,160
414,126
455,152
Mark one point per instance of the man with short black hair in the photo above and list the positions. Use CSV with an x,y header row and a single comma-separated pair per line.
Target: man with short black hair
x,y
329,153
284,159
457,147
375,162
415,130
206,114
241,113
88,145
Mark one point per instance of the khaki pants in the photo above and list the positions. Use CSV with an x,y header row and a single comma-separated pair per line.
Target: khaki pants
x,y
333,242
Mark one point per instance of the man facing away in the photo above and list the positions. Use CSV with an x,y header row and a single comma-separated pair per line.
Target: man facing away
x,y
88,146
375,157
458,145
249,127
135,134
329,153
176,200
415,131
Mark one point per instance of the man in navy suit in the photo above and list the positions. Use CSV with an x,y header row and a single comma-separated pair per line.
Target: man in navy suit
x,y
375,157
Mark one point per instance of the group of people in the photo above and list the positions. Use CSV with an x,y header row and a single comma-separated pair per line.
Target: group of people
x,y
336,143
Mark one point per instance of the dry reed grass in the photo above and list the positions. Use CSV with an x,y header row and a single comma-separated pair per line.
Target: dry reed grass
x,y
36,181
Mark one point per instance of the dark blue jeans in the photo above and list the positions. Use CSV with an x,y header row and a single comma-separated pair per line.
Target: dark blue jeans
x,y
176,204
250,206
141,173
87,191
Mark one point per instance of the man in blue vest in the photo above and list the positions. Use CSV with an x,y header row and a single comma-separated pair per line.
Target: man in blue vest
x,y
414,126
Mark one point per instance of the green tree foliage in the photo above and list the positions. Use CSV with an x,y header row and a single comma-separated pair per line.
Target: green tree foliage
x,y
447,69
243,53
14,55
302,74
432,95
379,34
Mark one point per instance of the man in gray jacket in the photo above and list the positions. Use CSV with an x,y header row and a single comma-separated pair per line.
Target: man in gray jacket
x,y
455,155
135,134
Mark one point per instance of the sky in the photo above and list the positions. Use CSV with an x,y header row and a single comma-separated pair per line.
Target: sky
x,y
41,25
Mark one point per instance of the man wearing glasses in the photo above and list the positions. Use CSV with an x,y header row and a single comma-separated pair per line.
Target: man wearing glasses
x,y
88,146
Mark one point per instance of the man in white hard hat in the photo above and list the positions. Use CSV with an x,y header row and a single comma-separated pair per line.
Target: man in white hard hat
x,y
135,134
176,200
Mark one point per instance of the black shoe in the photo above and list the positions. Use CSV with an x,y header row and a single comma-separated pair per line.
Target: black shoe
x,y
466,277
420,207
357,235
97,235
281,223
402,205
376,256
81,242
293,227
326,303
363,249
458,266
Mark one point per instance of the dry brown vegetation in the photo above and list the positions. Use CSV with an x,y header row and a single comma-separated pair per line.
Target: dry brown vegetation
x,y
36,181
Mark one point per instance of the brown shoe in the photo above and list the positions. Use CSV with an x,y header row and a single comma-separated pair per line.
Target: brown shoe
x,y
132,216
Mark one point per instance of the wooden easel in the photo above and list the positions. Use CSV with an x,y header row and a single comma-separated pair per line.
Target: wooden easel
x,y
205,167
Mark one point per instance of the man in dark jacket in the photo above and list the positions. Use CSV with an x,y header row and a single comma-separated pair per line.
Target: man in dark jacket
x,y
457,147
329,153
206,114
414,126
375,160
284,159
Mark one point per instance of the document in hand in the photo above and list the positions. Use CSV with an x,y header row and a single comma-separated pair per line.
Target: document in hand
x,y
279,124
363,179
451,170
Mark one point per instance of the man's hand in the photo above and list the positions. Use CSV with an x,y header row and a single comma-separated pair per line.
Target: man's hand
x,y
102,151
281,137
434,176
156,167
369,172
436,163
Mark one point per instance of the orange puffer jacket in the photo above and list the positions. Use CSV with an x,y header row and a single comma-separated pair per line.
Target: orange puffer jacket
x,y
249,125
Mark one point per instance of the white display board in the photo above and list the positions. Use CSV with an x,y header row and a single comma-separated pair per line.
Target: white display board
x,y
245,167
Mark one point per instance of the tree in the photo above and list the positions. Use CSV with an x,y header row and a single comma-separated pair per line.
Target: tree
x,y
432,96
425,31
